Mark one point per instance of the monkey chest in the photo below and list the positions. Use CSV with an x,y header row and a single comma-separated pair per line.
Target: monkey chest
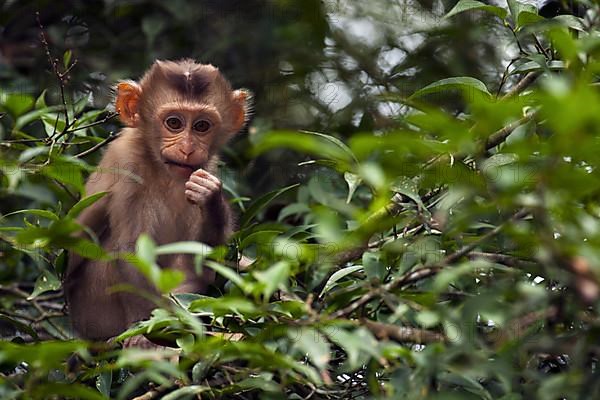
x,y
165,220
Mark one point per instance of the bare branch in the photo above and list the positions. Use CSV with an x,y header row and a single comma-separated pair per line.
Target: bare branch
x,y
523,84
112,136
402,333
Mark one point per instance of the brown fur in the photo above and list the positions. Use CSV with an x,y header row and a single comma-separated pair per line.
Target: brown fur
x,y
144,197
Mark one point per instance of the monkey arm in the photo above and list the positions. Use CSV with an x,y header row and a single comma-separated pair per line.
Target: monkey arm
x,y
217,213
205,190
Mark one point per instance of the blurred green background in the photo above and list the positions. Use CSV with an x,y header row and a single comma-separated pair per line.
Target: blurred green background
x,y
417,184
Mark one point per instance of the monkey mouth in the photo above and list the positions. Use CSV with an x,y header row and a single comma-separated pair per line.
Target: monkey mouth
x,y
181,169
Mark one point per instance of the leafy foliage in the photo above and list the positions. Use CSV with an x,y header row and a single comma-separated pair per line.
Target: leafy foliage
x,y
431,231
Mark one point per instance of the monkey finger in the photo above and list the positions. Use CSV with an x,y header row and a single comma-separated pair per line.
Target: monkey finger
x,y
196,197
205,174
141,342
196,187
209,177
212,185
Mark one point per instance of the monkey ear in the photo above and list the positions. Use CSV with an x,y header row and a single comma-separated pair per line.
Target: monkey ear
x,y
128,95
241,110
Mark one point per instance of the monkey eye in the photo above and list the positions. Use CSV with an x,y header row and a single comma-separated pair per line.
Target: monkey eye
x,y
202,125
174,123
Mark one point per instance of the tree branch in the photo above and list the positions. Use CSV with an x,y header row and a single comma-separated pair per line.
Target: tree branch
x,y
112,136
402,333
424,272
523,84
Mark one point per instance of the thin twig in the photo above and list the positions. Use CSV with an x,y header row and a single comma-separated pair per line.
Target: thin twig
x,y
504,76
501,135
95,123
540,47
112,136
523,84
60,76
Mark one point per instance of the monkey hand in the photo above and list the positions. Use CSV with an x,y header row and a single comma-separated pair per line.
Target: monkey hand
x,y
202,187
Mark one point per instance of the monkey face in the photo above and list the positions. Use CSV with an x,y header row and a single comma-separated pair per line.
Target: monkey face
x,y
187,111
188,135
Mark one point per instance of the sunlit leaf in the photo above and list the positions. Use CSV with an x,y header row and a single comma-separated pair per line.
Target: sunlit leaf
x,y
84,203
467,5
273,278
45,282
260,203
463,83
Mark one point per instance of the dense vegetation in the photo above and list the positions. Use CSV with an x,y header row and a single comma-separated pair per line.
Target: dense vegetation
x,y
418,187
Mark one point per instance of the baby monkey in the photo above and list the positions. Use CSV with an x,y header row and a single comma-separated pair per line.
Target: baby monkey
x,y
159,178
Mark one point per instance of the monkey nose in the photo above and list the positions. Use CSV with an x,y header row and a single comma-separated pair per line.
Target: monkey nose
x,y
186,151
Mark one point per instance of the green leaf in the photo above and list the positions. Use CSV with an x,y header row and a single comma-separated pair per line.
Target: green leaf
x,y
86,119
88,249
165,279
66,390
17,104
53,123
564,43
337,142
229,274
273,278
467,5
353,182
312,343
65,173
40,213
32,152
84,203
82,102
198,248
374,267
523,13
40,102
45,356
464,83
261,203
152,26
202,367
331,282
407,187
67,58
169,279
146,249
19,325
315,143
46,282
293,209
224,306
104,382
531,66
185,392
42,113
359,345
571,21
293,309
527,17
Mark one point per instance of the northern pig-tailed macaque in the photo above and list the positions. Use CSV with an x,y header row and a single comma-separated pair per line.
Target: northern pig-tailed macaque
x,y
159,176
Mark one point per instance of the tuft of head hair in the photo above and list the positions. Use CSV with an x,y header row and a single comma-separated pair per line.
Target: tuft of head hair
x,y
186,77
